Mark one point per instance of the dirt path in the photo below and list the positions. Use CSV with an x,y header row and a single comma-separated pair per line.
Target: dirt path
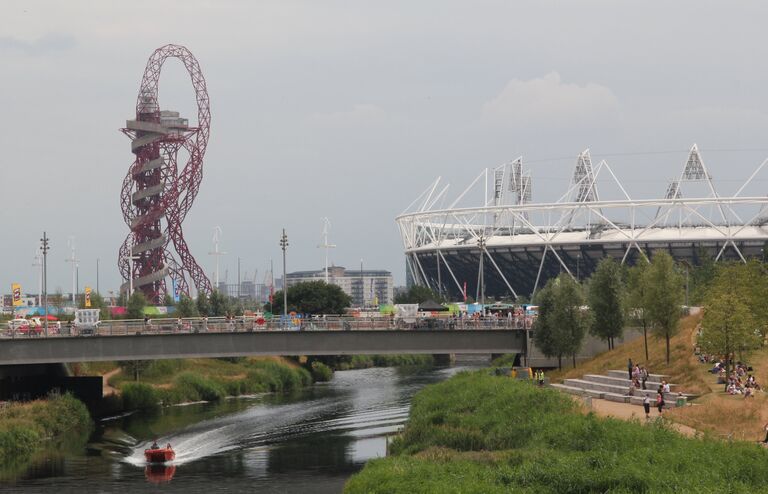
x,y
106,388
625,411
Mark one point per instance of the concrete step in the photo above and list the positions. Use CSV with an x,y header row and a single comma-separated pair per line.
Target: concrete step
x,y
616,397
594,394
568,389
625,375
620,381
619,390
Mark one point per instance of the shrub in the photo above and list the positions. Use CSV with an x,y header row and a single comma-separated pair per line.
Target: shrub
x,y
321,372
140,396
196,387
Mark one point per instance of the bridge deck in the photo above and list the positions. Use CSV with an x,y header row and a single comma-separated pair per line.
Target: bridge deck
x,y
239,344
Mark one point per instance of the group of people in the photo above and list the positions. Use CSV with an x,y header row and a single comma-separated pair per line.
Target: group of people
x,y
638,377
740,381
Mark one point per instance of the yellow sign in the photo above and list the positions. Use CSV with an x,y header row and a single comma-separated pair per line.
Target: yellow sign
x,y
87,296
16,291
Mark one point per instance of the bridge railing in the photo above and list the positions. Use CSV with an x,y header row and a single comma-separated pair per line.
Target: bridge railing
x,y
122,327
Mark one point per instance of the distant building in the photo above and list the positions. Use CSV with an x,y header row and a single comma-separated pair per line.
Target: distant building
x,y
367,287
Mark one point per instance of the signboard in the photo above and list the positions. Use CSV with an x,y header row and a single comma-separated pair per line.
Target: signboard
x,y
16,291
87,297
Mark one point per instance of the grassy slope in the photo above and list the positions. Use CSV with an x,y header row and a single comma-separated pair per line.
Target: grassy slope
x,y
714,412
683,369
487,434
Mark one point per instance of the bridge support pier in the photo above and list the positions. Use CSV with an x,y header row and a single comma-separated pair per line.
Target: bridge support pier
x,y
444,359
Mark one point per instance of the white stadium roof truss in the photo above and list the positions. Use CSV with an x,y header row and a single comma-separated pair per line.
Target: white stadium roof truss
x,y
509,220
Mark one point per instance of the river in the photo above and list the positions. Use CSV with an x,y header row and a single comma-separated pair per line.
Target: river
x,y
312,440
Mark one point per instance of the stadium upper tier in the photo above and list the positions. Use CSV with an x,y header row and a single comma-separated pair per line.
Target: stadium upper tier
x,y
510,246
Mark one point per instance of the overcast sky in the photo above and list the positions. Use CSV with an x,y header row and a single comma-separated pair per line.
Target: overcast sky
x,y
349,109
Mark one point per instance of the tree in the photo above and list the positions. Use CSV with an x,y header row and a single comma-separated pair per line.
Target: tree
x,y
203,305
219,304
636,298
313,297
417,294
168,300
185,307
606,301
728,326
135,307
663,296
562,324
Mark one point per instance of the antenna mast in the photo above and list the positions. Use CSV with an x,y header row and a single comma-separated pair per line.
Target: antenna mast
x,y
325,245
216,253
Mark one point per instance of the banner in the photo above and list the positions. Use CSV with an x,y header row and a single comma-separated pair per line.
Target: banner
x,y
16,291
465,291
87,296
175,290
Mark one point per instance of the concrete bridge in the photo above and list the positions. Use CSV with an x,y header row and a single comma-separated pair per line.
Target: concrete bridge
x,y
64,349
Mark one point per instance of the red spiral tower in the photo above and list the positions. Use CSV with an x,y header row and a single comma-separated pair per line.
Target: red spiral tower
x,y
157,193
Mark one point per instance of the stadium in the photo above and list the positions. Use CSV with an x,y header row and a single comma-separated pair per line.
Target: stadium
x,y
508,246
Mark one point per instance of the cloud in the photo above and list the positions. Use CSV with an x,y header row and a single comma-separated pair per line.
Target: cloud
x,y
359,115
50,43
548,101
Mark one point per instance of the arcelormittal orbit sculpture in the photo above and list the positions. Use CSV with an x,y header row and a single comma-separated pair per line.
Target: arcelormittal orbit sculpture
x,y
157,193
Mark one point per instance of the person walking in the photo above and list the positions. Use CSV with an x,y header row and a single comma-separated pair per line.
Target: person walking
x,y
647,408
629,369
660,401
644,375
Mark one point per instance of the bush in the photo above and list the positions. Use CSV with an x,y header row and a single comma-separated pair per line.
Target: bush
x,y
321,372
195,387
140,396
24,426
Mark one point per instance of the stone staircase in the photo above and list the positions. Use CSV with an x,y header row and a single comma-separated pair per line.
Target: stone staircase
x,y
614,386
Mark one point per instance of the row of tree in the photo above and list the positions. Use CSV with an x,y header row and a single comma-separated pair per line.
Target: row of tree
x,y
651,294
735,319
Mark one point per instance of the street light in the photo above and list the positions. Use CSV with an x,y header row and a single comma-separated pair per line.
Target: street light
x,y
44,248
481,245
130,273
284,246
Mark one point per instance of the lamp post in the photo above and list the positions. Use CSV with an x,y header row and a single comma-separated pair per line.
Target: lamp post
x,y
284,246
130,273
97,276
481,245
44,248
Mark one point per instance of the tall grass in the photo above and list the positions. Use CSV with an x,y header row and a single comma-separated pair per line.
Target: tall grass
x,y
481,433
25,426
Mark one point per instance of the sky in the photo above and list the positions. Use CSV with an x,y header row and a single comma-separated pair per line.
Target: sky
x,y
350,109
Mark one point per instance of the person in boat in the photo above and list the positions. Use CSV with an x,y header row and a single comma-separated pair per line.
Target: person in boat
x,y
154,445
168,446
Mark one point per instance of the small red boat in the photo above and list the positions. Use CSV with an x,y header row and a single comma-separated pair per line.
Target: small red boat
x,y
159,455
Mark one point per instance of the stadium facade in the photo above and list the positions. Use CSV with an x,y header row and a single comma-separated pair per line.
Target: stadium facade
x,y
509,246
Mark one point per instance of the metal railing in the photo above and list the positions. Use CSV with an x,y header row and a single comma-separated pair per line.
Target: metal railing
x,y
123,327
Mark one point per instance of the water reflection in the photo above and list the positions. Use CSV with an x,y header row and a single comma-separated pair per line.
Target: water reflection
x,y
159,474
310,441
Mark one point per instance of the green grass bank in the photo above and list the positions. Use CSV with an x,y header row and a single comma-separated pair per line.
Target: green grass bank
x,y
477,433
26,428
170,382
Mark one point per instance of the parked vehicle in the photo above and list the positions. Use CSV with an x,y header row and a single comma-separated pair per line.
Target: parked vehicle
x,y
17,325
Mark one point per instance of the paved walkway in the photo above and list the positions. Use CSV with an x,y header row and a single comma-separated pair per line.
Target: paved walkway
x,y
106,388
625,411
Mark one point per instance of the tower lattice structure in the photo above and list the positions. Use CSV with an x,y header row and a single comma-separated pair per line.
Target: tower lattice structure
x,y
157,192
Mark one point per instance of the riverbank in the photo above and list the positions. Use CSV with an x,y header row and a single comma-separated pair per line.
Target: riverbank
x,y
26,428
482,433
170,382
